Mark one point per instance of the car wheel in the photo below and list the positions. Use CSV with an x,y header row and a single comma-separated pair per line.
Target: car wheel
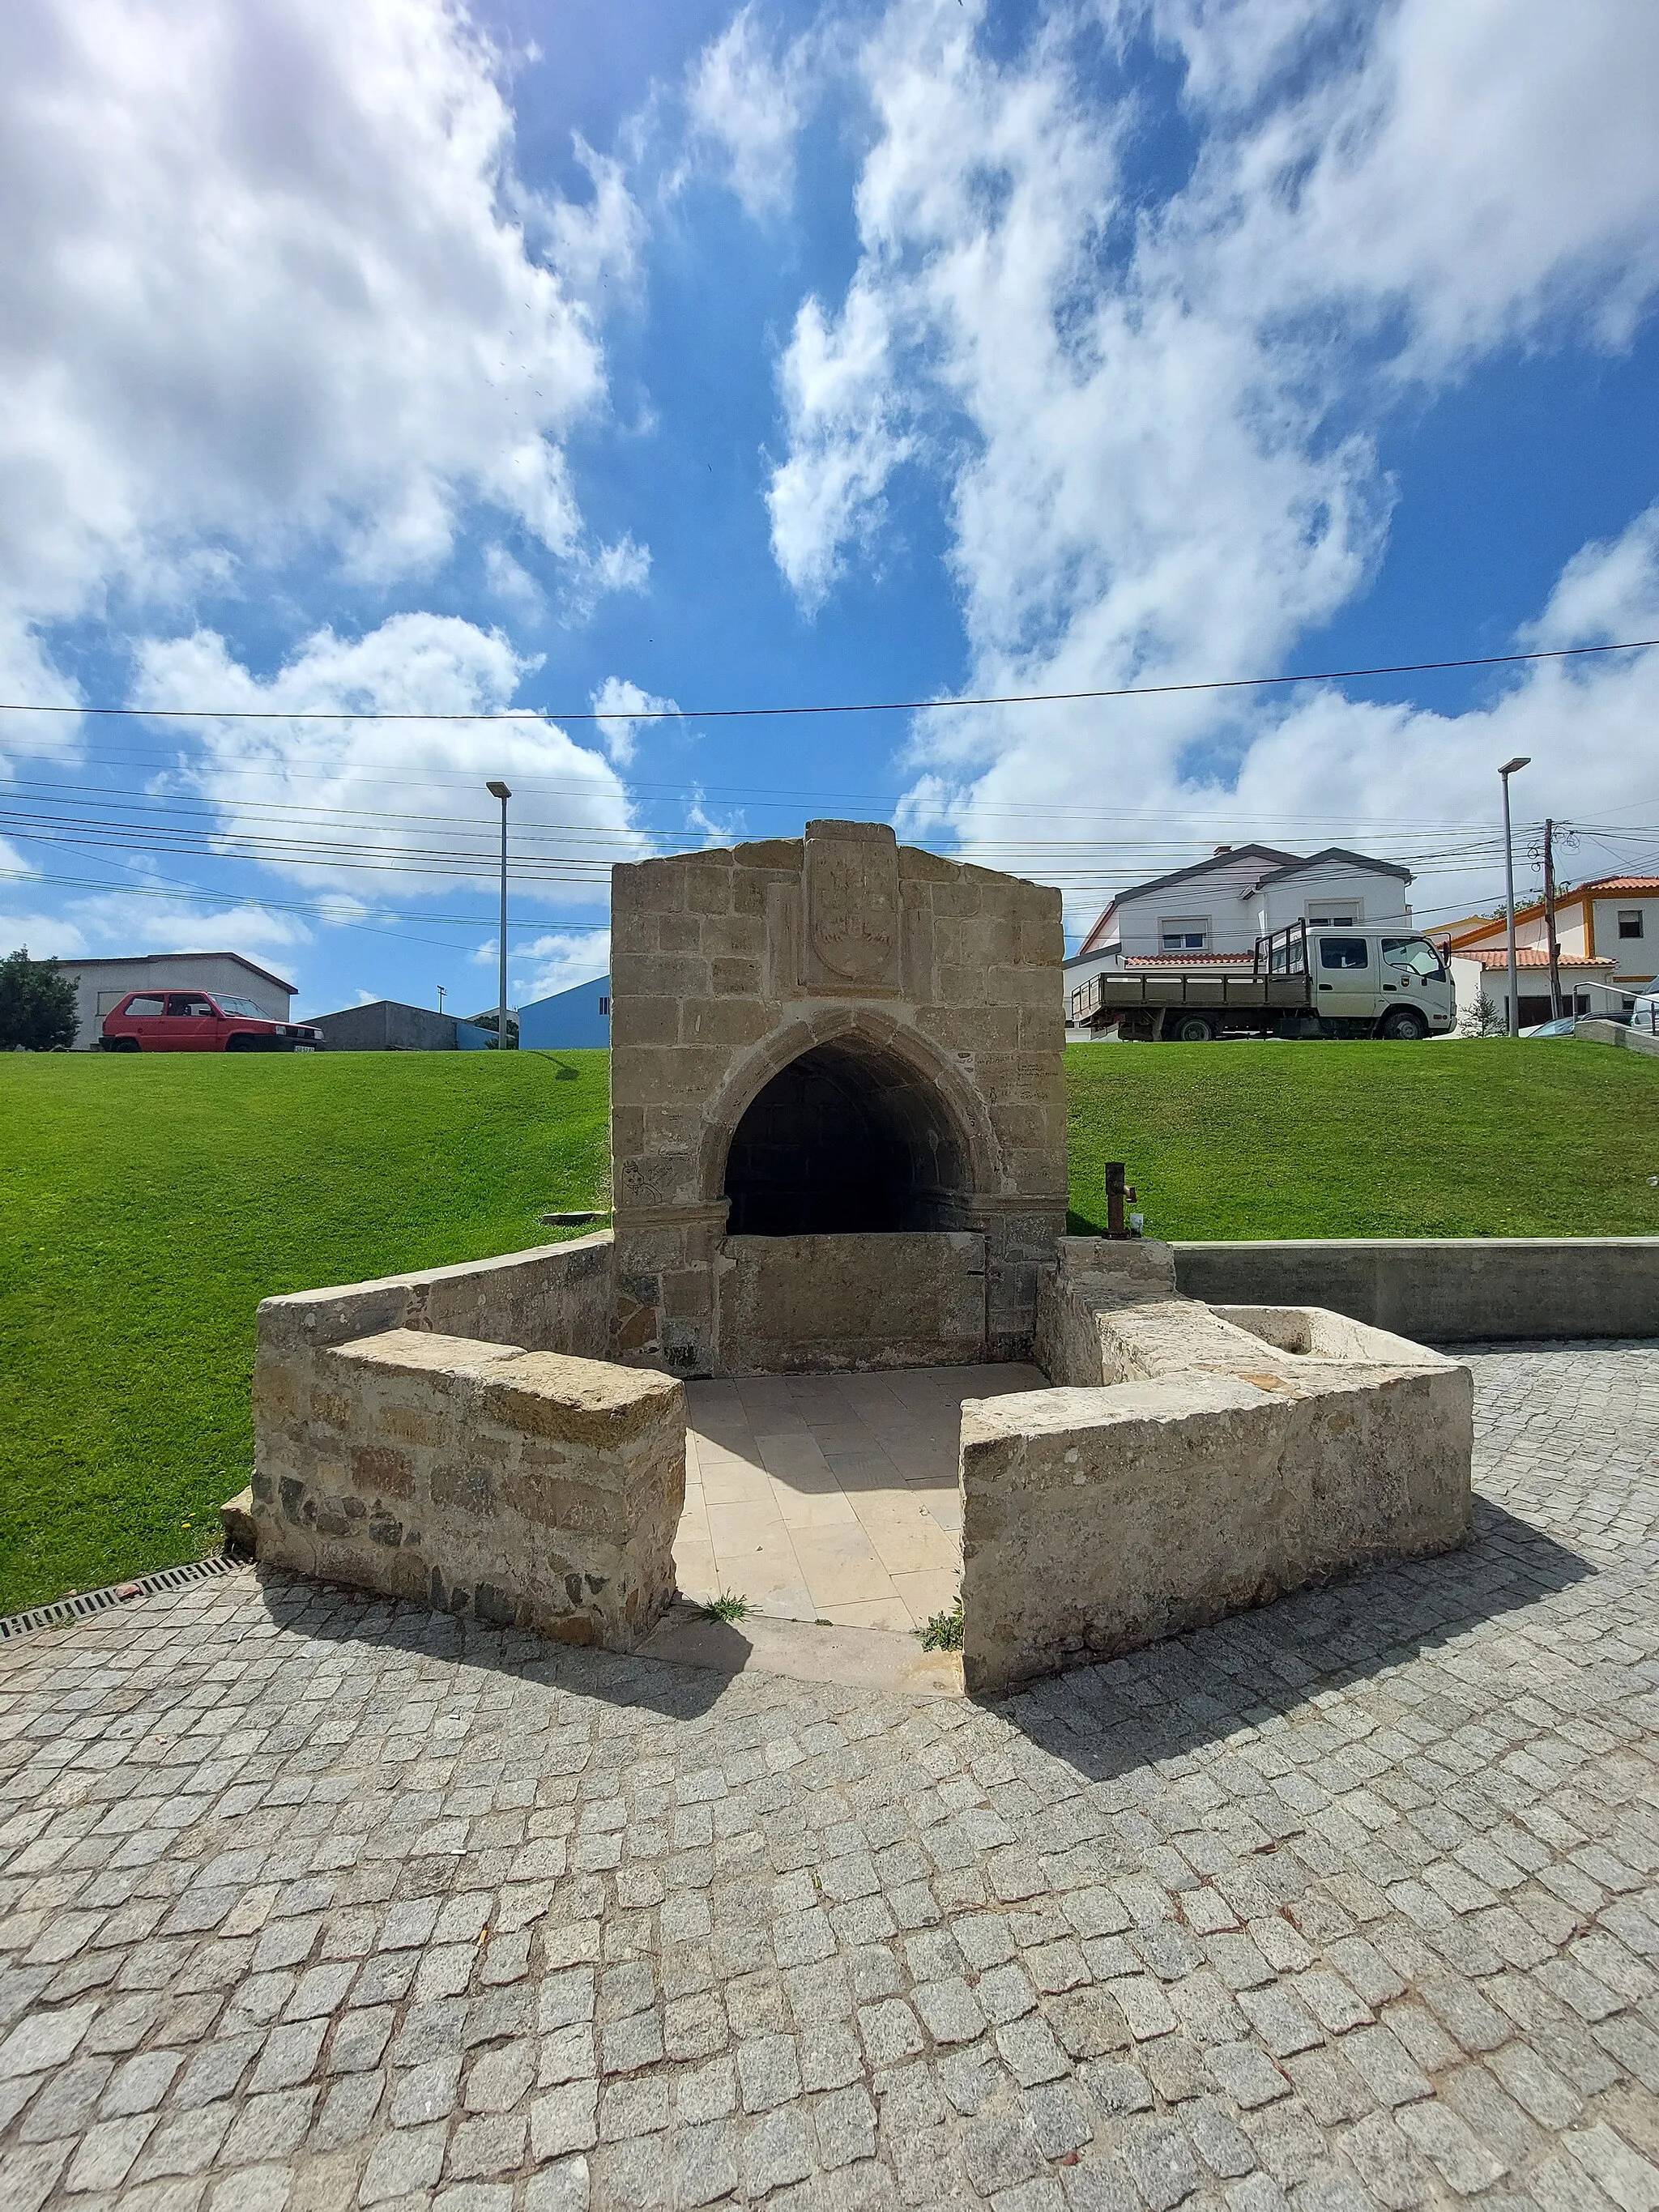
x,y
120,1044
1190,1029
241,1044
1404,1025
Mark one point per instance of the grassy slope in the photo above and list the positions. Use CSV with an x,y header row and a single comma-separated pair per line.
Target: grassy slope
x,y
147,1204
1472,1139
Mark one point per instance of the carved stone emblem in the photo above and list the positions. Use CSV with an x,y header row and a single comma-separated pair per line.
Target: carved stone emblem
x,y
852,907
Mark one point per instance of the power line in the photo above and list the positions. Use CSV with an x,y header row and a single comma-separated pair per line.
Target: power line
x,y
846,706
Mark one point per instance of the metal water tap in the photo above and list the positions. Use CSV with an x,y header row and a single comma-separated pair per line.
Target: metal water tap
x,y
1117,1192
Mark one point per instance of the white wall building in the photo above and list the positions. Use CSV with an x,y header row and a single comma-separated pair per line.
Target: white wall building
x,y
102,984
1216,909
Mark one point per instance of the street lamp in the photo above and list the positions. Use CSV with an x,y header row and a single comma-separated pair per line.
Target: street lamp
x,y
1521,761
498,790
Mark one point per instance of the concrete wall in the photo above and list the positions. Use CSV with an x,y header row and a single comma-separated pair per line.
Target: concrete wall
x,y
385,1025
1623,1036
1454,1289
523,1487
812,1304
727,966
101,984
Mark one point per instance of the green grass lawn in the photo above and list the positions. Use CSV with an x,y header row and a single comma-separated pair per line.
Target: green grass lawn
x,y
1486,1138
147,1204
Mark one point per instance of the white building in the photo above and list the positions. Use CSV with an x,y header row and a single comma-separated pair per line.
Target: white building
x,y
1216,909
102,984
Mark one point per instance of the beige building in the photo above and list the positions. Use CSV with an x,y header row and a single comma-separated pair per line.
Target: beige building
x,y
1607,932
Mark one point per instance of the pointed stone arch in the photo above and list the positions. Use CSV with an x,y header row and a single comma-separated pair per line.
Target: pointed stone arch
x,y
888,1132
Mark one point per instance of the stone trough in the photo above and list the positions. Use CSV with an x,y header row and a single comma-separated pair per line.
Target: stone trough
x,y
838,1121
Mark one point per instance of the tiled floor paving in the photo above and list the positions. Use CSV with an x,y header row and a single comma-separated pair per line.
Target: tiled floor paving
x,y
831,1496
310,1902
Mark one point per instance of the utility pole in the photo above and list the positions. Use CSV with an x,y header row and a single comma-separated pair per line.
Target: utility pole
x,y
1520,760
499,791
1549,921
441,998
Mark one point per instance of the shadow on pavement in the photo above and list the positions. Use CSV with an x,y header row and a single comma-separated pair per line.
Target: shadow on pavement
x,y
1174,1698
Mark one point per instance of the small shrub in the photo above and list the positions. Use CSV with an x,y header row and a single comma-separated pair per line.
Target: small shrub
x,y
37,1005
943,1629
726,1607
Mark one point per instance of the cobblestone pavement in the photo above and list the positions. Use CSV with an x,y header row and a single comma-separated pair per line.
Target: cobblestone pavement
x,y
312,1902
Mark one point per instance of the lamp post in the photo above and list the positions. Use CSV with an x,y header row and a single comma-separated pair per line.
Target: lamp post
x,y
1507,769
498,790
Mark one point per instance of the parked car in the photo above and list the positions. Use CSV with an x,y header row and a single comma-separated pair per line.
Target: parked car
x,y
1562,1025
200,1021
1644,1014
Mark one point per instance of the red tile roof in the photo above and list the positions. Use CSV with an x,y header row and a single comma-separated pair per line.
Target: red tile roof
x,y
1525,956
1189,960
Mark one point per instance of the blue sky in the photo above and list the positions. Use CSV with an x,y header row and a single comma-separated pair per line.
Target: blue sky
x,y
671,357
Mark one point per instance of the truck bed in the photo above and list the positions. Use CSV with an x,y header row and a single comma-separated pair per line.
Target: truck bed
x,y
1104,997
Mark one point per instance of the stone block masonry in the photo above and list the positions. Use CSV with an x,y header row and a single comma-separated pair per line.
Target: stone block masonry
x,y
448,1436
1192,1462
822,1035
528,1489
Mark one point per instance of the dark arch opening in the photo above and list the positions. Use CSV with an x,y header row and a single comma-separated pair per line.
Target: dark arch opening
x,y
847,1138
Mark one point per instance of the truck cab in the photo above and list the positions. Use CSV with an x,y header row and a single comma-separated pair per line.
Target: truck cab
x,y
1379,983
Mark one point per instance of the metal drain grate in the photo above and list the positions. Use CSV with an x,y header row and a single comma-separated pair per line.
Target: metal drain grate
x,y
13,1624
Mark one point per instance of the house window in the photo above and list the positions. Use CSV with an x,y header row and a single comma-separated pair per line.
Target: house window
x,y
1184,933
1348,916
1629,921
605,1005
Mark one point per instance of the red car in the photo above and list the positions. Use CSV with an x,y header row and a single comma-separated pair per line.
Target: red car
x,y
199,1020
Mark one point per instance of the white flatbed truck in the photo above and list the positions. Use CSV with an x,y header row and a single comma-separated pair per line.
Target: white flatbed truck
x,y
1303,981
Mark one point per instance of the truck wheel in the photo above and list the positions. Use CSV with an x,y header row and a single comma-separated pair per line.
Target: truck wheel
x,y
1189,1029
1404,1025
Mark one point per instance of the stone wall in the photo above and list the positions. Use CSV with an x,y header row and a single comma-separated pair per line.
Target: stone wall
x,y
813,1304
928,989
524,1487
1191,1462
455,1435
553,1297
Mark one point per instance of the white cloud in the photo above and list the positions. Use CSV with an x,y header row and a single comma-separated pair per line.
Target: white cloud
x,y
405,797
748,99
1146,419
511,581
638,710
269,287
44,936
846,435
556,963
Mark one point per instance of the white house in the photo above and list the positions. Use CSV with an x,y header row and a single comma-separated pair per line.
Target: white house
x,y
1216,909
102,984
